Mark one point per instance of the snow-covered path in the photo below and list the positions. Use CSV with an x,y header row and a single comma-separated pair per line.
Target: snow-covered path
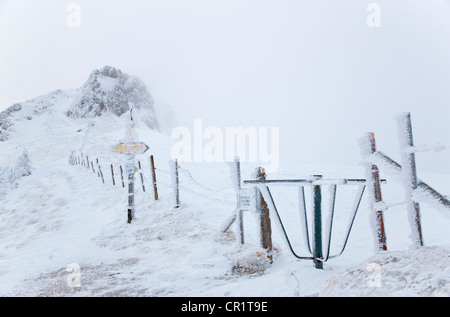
x,y
63,214
164,252
63,217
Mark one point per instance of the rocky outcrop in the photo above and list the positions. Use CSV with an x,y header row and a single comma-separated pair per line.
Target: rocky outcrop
x,y
107,90
110,90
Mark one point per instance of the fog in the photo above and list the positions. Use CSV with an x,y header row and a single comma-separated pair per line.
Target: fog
x,y
314,69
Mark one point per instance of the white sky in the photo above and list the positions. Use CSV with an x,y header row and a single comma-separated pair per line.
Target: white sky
x,y
312,68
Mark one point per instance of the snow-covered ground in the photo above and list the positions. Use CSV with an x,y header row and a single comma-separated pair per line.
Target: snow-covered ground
x,y
65,233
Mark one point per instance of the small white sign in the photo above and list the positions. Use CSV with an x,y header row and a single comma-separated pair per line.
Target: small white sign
x,y
244,199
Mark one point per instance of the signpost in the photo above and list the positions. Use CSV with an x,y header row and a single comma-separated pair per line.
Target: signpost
x,y
130,149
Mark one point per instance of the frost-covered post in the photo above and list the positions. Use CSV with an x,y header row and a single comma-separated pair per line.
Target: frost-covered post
x,y
130,148
368,147
317,225
112,175
142,177
409,175
239,213
175,182
264,216
235,173
100,174
121,176
129,169
155,187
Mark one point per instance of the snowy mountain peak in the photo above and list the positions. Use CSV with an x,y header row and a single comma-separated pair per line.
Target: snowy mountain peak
x,y
107,90
110,90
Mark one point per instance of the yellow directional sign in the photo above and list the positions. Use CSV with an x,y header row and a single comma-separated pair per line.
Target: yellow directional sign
x,y
130,148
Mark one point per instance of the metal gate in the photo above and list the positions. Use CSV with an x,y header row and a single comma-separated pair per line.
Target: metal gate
x,y
318,248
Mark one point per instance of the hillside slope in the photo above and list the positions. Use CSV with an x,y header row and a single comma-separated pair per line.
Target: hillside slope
x,y
63,232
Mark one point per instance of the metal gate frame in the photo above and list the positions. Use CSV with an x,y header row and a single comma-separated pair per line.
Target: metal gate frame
x,y
316,248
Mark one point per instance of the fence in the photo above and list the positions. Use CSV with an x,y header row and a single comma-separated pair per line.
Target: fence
x,y
416,191
181,178
264,204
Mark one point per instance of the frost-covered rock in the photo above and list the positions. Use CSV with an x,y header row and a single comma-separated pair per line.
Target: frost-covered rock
x,y
110,90
5,122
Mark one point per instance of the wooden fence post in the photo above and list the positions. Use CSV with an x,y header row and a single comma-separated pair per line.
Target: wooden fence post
x,y
129,167
368,147
142,178
101,174
409,175
112,175
155,188
100,171
121,175
264,216
176,182
236,178
239,212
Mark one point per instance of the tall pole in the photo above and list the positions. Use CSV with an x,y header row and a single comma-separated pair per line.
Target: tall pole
x,y
155,188
129,168
264,219
121,175
142,177
317,226
409,175
239,213
112,175
236,172
368,147
176,183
